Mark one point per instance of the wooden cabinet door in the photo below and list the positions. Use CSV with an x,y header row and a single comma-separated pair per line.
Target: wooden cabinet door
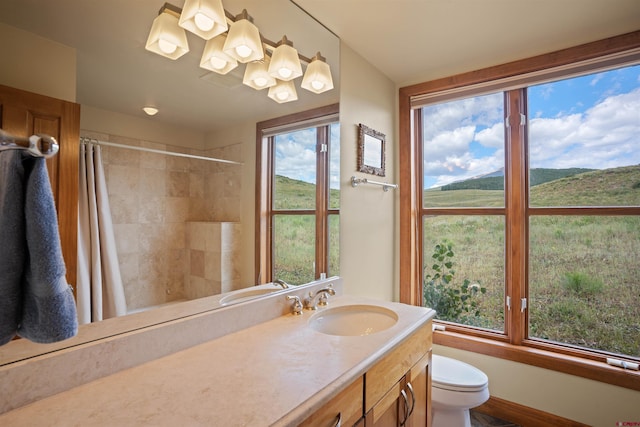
x,y
419,379
389,411
24,114
347,405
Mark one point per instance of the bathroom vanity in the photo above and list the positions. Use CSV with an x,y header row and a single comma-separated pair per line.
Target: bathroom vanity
x,y
396,390
284,371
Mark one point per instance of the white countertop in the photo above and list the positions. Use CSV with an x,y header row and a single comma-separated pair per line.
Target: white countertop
x,y
275,373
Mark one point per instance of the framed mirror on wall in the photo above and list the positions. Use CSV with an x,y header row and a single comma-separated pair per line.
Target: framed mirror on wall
x,y
371,151
111,88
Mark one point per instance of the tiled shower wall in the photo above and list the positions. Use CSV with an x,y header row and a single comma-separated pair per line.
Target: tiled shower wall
x,y
153,197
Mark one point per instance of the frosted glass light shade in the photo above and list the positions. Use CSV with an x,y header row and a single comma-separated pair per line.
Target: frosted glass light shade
x,y
204,18
150,111
166,38
285,64
243,41
256,75
283,91
214,59
317,78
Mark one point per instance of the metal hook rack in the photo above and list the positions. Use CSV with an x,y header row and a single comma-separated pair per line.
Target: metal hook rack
x,y
37,145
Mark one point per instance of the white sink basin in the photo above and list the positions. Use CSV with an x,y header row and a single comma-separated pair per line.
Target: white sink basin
x,y
246,294
353,320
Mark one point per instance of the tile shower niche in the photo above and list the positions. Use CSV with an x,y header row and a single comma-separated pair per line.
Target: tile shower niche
x,y
212,258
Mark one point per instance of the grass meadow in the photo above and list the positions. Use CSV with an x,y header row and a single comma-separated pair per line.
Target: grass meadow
x,y
584,271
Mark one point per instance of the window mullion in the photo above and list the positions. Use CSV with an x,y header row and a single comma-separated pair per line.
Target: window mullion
x,y
322,153
516,179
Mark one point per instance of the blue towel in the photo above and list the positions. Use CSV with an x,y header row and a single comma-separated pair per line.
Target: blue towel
x,y
35,300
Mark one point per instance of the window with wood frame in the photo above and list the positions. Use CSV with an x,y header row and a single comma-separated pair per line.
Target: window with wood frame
x,y
520,218
297,187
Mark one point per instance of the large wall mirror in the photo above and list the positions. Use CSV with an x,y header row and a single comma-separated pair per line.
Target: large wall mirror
x,y
116,77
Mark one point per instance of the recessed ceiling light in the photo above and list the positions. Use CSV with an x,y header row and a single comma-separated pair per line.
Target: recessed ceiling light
x,y
152,111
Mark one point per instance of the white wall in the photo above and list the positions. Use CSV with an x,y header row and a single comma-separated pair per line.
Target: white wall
x,y
367,214
36,64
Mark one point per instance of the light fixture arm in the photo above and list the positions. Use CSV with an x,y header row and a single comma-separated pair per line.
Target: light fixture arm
x,y
173,9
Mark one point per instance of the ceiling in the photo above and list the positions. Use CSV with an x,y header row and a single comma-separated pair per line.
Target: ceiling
x,y
410,41
413,41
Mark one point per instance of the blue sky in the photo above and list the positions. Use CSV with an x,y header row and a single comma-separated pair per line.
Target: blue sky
x,y
591,121
296,155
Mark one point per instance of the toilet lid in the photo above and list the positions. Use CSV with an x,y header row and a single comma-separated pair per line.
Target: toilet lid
x,y
452,374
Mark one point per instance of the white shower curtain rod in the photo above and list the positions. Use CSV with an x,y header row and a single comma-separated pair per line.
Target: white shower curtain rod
x,y
85,140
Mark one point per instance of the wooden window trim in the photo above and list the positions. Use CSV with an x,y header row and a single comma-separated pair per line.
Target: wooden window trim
x,y
264,187
542,355
613,51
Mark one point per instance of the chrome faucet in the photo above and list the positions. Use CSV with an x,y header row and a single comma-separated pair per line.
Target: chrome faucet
x,y
282,283
296,308
322,296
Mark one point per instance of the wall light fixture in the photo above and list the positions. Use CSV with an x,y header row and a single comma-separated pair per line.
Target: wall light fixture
x,y
232,39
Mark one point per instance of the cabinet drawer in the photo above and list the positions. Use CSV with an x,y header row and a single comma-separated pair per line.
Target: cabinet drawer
x,y
387,372
348,403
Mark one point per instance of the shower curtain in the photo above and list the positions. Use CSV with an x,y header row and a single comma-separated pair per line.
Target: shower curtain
x,y
100,291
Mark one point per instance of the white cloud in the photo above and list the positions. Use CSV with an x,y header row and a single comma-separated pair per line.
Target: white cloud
x,y
296,157
451,129
604,136
492,136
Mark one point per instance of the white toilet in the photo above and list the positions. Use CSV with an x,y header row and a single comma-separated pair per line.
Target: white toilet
x,y
455,388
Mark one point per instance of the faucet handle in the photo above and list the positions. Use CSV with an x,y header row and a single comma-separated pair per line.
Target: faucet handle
x,y
308,302
296,308
323,299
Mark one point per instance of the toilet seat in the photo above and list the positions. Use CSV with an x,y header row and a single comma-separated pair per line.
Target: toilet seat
x,y
454,375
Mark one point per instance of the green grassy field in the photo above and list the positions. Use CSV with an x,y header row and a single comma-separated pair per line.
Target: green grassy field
x,y
584,272
294,244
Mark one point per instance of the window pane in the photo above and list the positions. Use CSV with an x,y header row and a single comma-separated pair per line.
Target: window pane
x,y
584,281
334,245
334,166
463,146
294,248
462,256
584,148
295,170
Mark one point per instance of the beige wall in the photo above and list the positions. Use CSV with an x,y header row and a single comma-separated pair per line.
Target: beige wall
x,y
579,399
37,64
367,214
109,122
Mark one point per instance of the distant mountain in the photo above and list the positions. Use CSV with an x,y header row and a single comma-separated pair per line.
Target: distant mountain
x,y
495,180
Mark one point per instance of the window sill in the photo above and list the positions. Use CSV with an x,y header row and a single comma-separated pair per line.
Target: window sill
x,y
578,366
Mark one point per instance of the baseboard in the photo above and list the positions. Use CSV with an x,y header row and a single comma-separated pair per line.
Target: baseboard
x,y
523,415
